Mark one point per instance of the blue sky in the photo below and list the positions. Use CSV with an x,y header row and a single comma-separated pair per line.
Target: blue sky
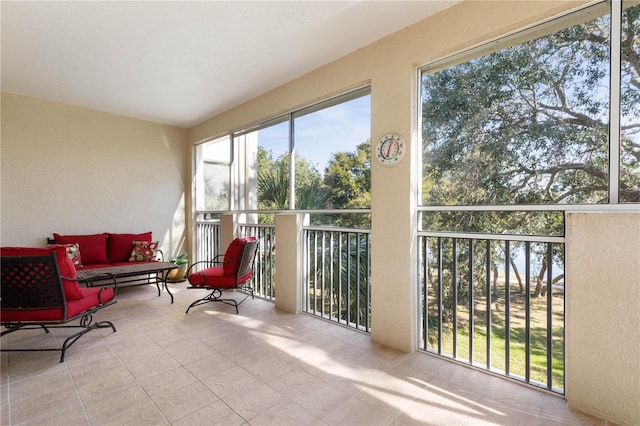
x,y
318,135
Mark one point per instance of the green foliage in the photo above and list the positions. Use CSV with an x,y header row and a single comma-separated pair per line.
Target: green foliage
x,y
346,184
180,259
339,289
529,124
273,181
348,175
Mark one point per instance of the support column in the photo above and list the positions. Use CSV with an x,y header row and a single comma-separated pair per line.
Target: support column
x,y
228,229
602,315
289,265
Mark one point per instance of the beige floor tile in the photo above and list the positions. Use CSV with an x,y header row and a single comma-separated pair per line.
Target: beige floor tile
x,y
4,395
170,380
216,414
260,367
231,381
291,380
178,402
266,365
43,402
355,412
124,403
438,406
320,398
186,352
151,364
253,401
5,414
212,364
287,413
387,393
68,414
95,379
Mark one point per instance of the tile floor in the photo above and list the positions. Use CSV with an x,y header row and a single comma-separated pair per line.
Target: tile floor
x,y
261,367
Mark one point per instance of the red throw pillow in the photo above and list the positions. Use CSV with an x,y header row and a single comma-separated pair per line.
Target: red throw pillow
x,y
144,251
73,251
65,265
93,247
119,245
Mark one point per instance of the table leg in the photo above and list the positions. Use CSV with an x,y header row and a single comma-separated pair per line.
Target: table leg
x,y
165,275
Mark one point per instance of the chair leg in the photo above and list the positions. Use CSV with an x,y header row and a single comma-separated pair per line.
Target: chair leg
x,y
216,296
10,328
86,325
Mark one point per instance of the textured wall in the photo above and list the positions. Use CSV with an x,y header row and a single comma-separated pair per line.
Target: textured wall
x,y
72,170
603,315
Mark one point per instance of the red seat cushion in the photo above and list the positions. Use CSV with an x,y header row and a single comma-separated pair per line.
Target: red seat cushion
x,y
93,248
215,277
119,246
74,307
72,290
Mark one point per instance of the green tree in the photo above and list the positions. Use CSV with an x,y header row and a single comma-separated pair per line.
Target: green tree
x,y
348,177
273,183
529,124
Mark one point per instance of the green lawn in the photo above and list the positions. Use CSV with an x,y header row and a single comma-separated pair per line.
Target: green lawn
x,y
517,367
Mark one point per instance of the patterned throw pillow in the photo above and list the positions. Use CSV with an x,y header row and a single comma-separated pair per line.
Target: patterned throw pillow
x,y
73,251
143,251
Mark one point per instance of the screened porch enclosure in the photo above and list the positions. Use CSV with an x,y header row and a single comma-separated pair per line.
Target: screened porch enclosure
x,y
524,146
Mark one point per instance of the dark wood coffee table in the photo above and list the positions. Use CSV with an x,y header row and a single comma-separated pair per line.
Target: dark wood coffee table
x,y
156,273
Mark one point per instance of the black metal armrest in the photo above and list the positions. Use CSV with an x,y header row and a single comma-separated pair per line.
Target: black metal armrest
x,y
209,263
102,277
161,253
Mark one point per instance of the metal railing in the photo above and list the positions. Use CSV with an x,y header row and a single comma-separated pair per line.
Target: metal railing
x,y
337,267
495,302
207,236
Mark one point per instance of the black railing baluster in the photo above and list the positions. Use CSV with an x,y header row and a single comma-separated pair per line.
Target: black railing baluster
x,y
358,281
425,292
527,308
455,296
349,281
471,313
549,315
507,307
488,304
439,295
367,245
340,265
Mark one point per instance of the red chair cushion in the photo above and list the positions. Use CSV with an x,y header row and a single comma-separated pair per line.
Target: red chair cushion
x,y
92,247
72,290
119,246
216,278
232,256
74,307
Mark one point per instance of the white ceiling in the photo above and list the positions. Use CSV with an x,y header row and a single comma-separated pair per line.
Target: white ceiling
x,y
181,62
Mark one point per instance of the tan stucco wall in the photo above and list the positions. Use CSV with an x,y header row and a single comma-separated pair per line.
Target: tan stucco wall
x,y
390,66
72,170
603,315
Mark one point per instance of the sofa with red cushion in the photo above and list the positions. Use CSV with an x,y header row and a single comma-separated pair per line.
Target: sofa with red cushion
x,y
107,249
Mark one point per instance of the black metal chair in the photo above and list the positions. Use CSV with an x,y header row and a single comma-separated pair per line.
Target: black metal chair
x,y
234,272
35,295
